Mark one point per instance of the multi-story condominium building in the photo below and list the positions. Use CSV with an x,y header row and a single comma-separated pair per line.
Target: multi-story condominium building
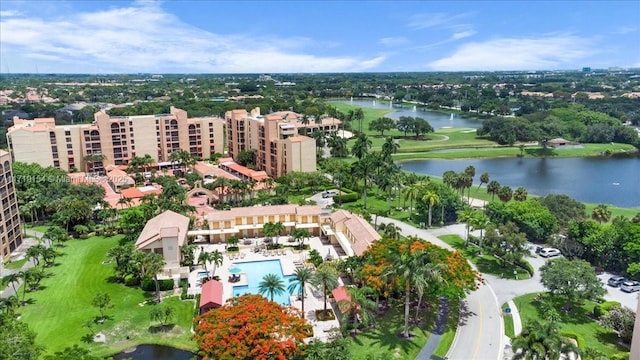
x,y
113,140
276,138
10,235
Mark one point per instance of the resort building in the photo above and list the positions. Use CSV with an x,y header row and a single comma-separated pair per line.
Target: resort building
x,y
351,232
280,148
113,140
165,234
247,222
10,235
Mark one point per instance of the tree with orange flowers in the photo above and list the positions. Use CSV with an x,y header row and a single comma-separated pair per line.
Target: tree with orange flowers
x,y
251,327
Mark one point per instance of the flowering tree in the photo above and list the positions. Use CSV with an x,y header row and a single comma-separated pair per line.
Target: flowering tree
x,y
251,327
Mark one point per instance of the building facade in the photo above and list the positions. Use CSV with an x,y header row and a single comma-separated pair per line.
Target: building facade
x,y
10,235
113,140
276,138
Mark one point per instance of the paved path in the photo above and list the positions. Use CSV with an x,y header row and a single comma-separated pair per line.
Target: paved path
x,y
515,314
27,243
436,334
480,333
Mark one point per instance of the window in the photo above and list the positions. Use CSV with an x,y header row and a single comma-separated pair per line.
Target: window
x,y
69,146
67,133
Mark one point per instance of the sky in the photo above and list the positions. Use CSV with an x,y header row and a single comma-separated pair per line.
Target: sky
x,y
199,36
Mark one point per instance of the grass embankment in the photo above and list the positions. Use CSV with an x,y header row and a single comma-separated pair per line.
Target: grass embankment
x,y
508,322
485,263
59,311
578,321
450,331
384,341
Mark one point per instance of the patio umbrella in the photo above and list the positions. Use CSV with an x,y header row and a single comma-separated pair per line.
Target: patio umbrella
x,y
235,270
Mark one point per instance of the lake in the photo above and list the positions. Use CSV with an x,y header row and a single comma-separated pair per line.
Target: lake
x,y
436,120
614,181
155,352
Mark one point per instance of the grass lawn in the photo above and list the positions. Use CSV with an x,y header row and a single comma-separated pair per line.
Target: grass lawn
x,y
64,305
578,321
39,228
450,331
14,265
508,322
383,341
487,264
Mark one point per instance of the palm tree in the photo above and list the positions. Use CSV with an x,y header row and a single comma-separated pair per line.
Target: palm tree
x,y
324,280
484,179
431,274
540,341
493,188
9,304
411,193
271,284
407,265
391,231
505,193
13,279
466,216
358,114
278,228
480,221
363,168
301,277
449,178
601,213
359,307
520,194
187,252
470,171
361,147
221,182
34,253
389,147
431,198
153,264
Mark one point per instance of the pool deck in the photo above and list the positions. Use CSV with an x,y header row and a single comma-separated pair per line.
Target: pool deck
x,y
289,260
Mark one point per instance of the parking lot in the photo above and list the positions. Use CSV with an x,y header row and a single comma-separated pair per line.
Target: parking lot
x,y
629,300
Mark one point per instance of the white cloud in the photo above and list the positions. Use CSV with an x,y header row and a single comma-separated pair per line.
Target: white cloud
x,y
393,41
462,34
626,29
424,21
9,13
146,38
543,52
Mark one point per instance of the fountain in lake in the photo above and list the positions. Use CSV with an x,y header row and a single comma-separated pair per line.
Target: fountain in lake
x,y
414,108
374,103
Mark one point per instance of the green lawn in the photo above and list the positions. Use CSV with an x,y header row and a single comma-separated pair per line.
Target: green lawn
x,y
450,331
508,322
58,311
487,264
578,321
39,228
383,341
14,265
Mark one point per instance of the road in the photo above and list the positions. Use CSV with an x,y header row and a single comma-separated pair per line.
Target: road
x,y
480,334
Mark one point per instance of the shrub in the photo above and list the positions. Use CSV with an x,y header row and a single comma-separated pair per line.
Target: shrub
x,y
324,316
525,265
350,196
149,285
603,309
571,335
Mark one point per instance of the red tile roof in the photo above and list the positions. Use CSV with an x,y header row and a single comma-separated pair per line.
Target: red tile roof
x,y
211,296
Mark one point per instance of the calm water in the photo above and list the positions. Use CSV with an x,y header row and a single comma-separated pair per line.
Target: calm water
x,y
255,271
156,352
614,181
436,120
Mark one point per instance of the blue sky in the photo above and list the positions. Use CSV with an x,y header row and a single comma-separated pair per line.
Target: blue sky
x,y
315,36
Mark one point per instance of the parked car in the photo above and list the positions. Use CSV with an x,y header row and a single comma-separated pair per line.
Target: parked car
x,y
549,252
615,281
630,286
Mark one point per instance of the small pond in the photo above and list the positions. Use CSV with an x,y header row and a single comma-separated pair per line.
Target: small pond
x,y
155,352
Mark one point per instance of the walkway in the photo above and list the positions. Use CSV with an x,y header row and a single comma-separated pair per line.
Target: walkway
x,y
436,334
515,314
26,243
480,331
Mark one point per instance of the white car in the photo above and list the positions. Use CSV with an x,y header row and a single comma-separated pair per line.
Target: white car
x,y
550,252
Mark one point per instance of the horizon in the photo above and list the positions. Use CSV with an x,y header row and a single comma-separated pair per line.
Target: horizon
x,y
224,37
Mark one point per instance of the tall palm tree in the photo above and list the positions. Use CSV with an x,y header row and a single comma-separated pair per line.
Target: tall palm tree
x,y
391,231
480,221
153,264
431,273
324,280
364,168
13,279
278,228
301,277
466,216
411,193
358,115
361,147
540,341
389,147
431,198
484,179
407,265
493,188
216,259
271,284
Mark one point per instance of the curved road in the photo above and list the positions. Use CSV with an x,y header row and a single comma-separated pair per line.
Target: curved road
x,y
480,334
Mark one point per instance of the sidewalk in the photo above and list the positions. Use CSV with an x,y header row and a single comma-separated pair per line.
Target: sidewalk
x,y
19,254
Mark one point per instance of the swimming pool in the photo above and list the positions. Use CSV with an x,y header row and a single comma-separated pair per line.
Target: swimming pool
x,y
255,271
202,274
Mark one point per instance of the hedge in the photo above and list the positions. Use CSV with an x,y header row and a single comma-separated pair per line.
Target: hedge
x,y
601,309
350,196
149,285
525,265
574,336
